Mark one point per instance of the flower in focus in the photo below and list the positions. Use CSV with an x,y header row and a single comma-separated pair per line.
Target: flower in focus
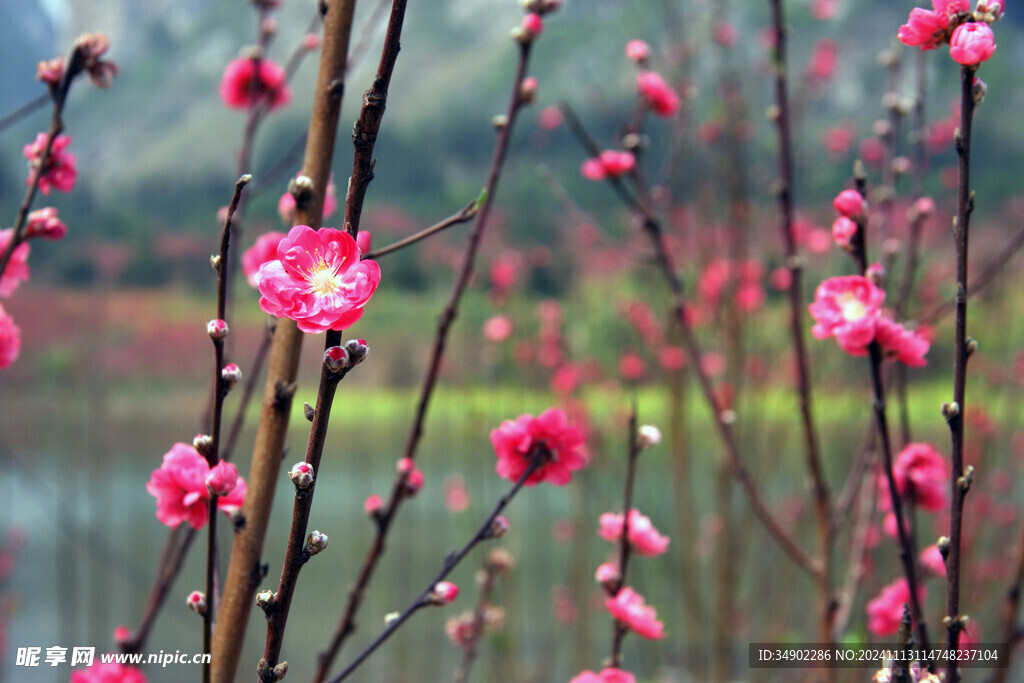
x,y
111,672
662,99
317,280
515,440
16,271
629,608
907,346
921,472
644,538
610,675
10,339
886,609
928,29
610,164
972,43
286,204
847,308
45,224
58,169
255,256
180,488
241,88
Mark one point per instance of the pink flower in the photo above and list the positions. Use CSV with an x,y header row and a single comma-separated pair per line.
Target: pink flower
x,y
311,41
108,673
550,118
533,24
843,231
849,203
611,164
607,574
823,60
671,358
444,593
838,140
17,267
363,239
928,29
286,204
631,366
922,468
456,497
222,479
318,280
644,538
514,441
847,308
10,339
50,71
180,488
972,43
606,676
241,88
629,608
373,504
657,94
885,611
58,168
904,345
264,250
45,224
638,51
931,558
823,9
498,328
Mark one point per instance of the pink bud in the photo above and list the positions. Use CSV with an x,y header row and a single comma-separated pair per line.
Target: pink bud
x,y
638,51
725,34
50,71
217,329
315,542
924,206
302,475
196,602
222,479
607,575
311,41
231,374
405,465
849,203
122,635
336,359
414,482
363,241
373,505
843,231
358,351
528,89
499,527
533,24
972,43
444,593
45,224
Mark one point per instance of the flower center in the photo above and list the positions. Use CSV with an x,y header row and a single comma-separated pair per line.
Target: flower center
x,y
853,308
323,280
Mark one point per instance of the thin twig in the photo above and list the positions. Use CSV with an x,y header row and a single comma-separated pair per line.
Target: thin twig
x,y
620,629
25,109
463,216
538,456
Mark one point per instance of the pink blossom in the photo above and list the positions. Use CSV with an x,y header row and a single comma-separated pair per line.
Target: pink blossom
x,y
58,169
823,60
373,504
311,41
638,51
823,10
610,675
498,328
239,91
906,346
607,574
10,339
725,34
843,230
847,308
286,204
629,607
972,43
222,478
17,267
515,440
45,224
631,366
318,280
931,558
925,28
456,497
925,206
662,99
444,593
550,118
671,358
363,240
849,203
533,24
264,250
885,611
180,488
50,71
644,538
923,469
610,164
107,673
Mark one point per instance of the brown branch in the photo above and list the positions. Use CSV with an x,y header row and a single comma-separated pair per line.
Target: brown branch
x,y
25,109
620,629
463,216
347,624
244,569
472,647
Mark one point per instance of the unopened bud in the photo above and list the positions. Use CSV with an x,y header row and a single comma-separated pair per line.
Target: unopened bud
x,y
358,351
943,545
391,617
196,602
972,346
202,443
499,527
950,410
444,593
302,475
264,598
607,575
875,273
309,411
315,542
231,374
532,25
222,479
499,122
772,113
215,261
647,436
336,359
217,329
500,560
528,90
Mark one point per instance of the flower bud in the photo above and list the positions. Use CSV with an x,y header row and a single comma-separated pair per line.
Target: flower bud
x,y
373,505
336,359
264,598
500,560
217,329
309,411
391,617
499,121
302,475
528,90
978,91
202,443
499,527
533,25
222,479
607,575
647,436
358,351
315,542
196,602
231,374
45,224
311,41
638,51
444,593
924,206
